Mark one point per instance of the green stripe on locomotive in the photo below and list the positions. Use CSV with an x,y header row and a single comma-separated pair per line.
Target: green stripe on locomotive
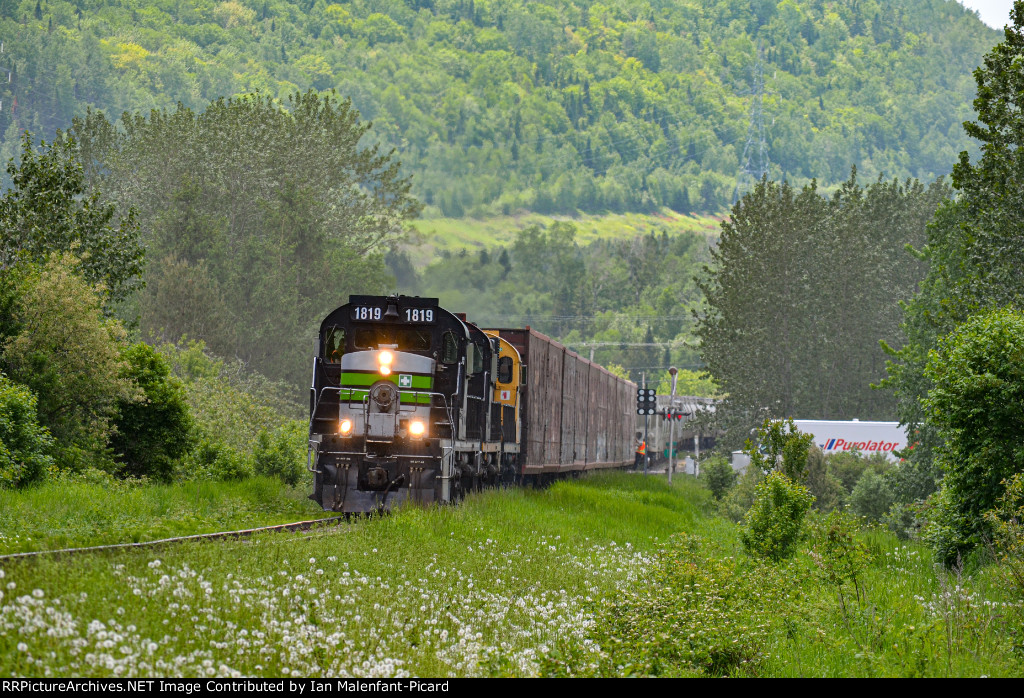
x,y
352,384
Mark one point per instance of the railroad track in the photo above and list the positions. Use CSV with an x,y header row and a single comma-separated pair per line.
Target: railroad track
x,y
220,535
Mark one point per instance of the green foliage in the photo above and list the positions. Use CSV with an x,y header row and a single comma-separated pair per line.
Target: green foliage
x,y
821,482
228,403
975,405
701,610
48,210
871,496
696,383
69,355
612,292
152,434
717,475
779,334
25,446
282,452
1006,520
737,502
838,554
974,249
552,107
260,218
772,527
781,447
211,460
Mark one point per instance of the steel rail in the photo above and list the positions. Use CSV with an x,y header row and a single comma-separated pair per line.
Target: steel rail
x,y
220,535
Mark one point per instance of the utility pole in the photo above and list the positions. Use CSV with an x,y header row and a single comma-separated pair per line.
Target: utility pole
x,y
755,152
672,371
647,446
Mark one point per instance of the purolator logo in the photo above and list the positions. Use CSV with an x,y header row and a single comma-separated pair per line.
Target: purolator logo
x,y
844,445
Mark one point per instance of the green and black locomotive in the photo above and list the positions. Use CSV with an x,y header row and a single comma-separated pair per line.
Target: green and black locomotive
x,y
410,402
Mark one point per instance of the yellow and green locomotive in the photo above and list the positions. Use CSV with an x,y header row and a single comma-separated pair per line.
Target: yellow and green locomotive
x,y
410,402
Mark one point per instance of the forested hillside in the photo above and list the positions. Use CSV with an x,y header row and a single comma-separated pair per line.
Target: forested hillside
x,y
500,105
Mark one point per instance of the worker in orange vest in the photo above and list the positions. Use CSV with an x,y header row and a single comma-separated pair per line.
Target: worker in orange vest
x,y
641,451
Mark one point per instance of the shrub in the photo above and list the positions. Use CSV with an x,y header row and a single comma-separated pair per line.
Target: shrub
x,y
717,475
773,525
1007,523
216,461
975,405
737,502
839,556
281,453
24,444
782,447
701,609
826,488
871,497
153,434
69,353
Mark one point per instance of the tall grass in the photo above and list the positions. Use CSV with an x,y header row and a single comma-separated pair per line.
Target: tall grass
x,y
64,514
607,575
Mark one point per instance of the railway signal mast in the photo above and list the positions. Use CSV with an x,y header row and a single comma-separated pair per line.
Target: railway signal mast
x,y
646,404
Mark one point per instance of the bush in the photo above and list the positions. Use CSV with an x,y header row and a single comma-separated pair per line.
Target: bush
x,y
700,610
153,434
69,354
717,475
782,447
827,488
975,405
773,525
737,502
1007,522
871,497
216,461
24,444
281,453
839,556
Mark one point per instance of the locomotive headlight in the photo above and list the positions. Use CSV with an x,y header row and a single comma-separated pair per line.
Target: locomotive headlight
x,y
346,427
384,359
416,428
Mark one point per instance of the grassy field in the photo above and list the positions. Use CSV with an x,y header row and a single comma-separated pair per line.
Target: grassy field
x,y
454,234
72,514
611,575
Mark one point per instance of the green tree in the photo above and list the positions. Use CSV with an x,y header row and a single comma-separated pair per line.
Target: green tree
x,y
800,290
268,215
25,445
974,249
153,433
975,405
47,209
772,527
69,355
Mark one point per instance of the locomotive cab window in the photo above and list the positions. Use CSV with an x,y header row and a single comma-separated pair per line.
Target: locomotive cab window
x,y
402,338
334,345
449,348
478,358
505,369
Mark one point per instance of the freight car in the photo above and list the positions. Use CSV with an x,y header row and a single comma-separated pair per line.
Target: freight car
x,y
410,402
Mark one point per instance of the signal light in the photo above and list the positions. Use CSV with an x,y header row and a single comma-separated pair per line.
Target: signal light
x,y
646,401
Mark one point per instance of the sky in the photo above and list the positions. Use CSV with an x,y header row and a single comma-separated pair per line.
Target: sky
x,y
994,13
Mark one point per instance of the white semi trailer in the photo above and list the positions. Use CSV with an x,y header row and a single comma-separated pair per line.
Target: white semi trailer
x,y
833,436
